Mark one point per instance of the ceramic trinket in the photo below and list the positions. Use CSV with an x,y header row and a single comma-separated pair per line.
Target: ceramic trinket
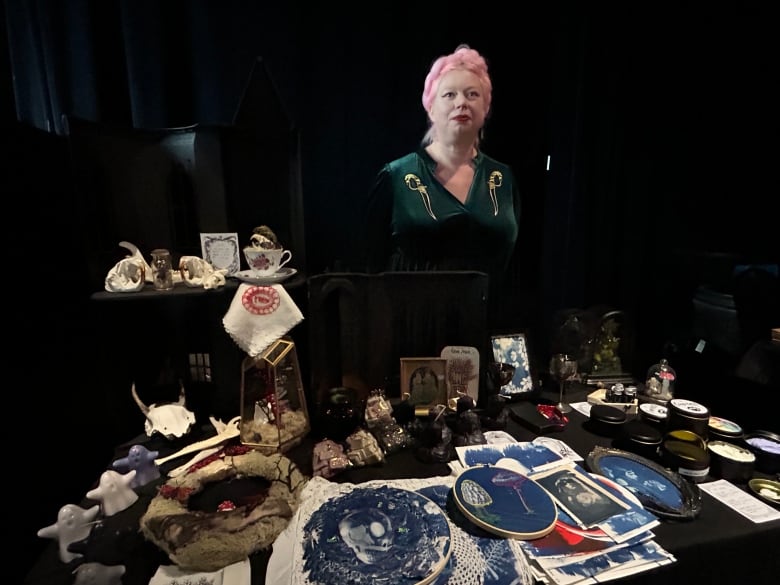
x,y
73,524
140,459
114,492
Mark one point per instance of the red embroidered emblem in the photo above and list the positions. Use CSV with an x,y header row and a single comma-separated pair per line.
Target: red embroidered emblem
x,y
260,300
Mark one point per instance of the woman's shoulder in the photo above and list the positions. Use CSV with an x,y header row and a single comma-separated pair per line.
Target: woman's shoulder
x,y
406,163
489,161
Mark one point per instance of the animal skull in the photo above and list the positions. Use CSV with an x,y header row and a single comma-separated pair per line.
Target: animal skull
x,y
196,271
130,273
172,420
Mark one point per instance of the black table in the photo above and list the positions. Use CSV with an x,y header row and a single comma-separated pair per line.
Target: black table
x,y
719,546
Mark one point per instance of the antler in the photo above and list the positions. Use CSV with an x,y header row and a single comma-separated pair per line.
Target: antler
x,y
141,405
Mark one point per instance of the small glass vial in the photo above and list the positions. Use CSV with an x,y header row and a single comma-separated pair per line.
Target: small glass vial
x,y
618,393
162,269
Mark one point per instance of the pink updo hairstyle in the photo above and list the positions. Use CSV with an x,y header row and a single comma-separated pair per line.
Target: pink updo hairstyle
x,y
466,58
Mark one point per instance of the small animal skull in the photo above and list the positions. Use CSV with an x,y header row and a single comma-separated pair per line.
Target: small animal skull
x,y
196,271
129,274
172,420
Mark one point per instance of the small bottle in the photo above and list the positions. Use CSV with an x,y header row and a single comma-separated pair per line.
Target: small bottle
x,y
630,394
618,393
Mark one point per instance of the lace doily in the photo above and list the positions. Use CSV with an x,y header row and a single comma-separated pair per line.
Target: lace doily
x,y
476,558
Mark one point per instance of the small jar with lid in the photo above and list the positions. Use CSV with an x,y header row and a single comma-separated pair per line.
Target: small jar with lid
x,y
659,385
653,414
721,429
688,415
606,420
640,438
689,460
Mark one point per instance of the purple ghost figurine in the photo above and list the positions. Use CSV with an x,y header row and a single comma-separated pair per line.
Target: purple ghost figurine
x,y
143,461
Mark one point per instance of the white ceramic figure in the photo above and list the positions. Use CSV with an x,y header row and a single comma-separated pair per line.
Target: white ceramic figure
x,y
170,420
114,492
196,271
129,274
73,525
98,574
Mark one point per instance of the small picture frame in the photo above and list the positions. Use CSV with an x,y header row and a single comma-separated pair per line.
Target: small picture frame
x,y
424,381
221,250
513,349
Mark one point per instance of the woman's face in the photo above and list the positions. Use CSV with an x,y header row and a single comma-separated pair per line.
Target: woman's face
x,y
458,108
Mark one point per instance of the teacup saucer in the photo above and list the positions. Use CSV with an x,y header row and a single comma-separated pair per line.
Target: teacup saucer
x,y
282,274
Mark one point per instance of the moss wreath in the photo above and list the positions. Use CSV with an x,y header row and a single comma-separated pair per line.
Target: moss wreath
x,y
201,541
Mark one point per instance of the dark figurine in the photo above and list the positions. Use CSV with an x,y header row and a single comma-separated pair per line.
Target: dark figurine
x,y
468,430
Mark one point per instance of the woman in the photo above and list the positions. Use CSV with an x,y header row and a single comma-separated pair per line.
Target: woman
x,y
447,205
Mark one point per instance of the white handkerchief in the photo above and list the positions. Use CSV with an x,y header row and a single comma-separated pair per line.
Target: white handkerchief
x,y
259,315
239,573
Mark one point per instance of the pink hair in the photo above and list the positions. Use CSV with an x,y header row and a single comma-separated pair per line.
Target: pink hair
x,y
464,57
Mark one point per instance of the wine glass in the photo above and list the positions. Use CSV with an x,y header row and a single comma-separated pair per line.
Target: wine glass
x,y
501,374
563,368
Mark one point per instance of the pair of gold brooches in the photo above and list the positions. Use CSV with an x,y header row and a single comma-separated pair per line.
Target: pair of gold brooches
x,y
413,182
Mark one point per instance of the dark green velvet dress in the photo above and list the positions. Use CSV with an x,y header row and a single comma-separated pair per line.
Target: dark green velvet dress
x,y
414,223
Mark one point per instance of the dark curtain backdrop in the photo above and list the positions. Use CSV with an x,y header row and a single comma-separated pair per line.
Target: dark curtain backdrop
x,y
660,124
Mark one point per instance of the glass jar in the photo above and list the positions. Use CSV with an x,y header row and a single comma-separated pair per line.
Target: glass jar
x,y
162,269
341,414
661,378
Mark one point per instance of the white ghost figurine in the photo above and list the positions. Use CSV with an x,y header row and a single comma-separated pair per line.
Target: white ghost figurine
x,y
114,491
74,524
98,574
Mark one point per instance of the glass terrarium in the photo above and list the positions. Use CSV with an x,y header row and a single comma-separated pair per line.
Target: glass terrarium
x,y
659,386
274,417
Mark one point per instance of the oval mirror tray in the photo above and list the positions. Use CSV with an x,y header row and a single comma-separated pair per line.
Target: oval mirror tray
x,y
663,492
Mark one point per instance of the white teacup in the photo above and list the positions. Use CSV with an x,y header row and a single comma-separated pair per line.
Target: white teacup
x,y
264,262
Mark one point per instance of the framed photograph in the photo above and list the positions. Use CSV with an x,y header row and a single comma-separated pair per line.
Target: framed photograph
x,y
424,381
221,251
513,350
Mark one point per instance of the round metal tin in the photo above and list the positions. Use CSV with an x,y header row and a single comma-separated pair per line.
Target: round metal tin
x,y
765,445
686,437
689,460
653,414
730,461
721,429
688,415
766,489
641,438
606,420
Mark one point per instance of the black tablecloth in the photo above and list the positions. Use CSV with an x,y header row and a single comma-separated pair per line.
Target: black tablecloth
x,y
718,546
